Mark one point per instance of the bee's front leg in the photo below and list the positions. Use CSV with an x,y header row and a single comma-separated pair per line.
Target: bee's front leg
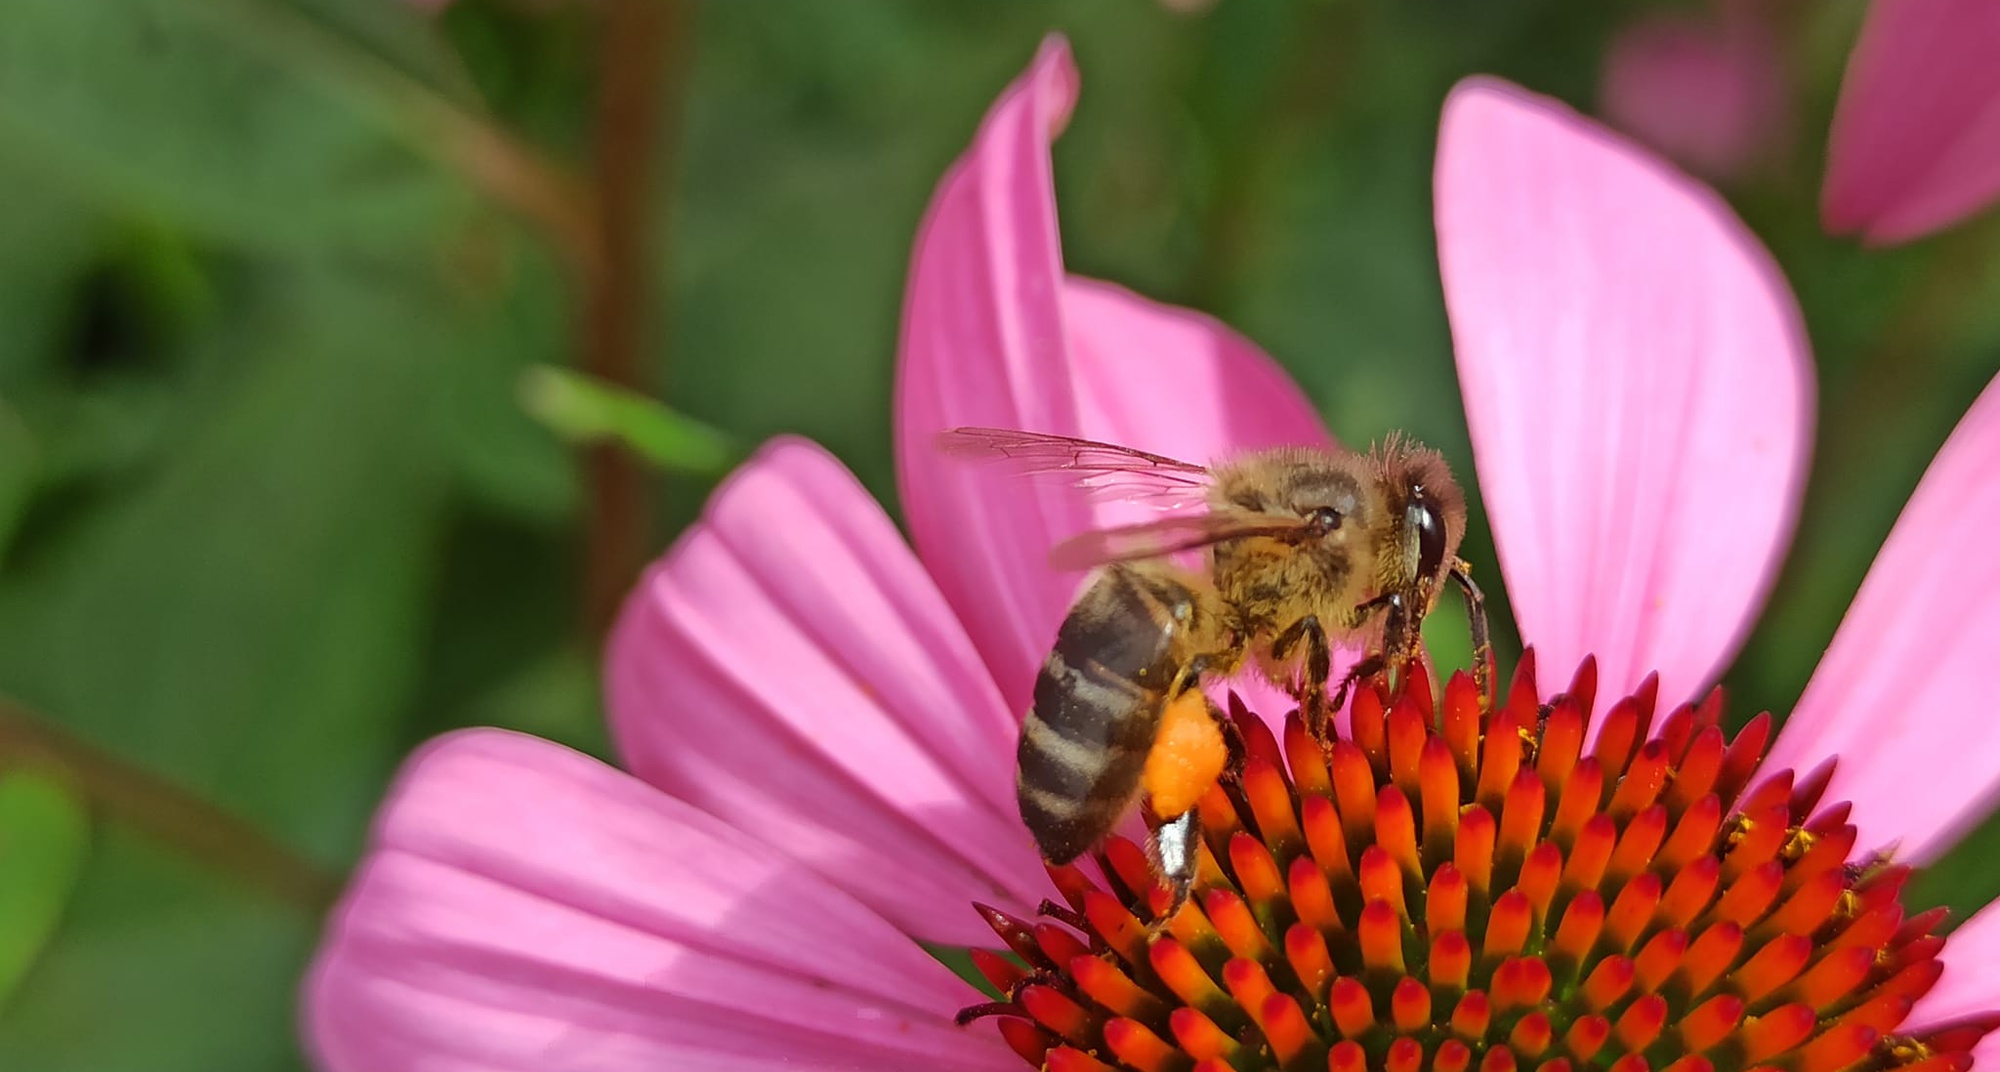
x,y
1482,642
1361,671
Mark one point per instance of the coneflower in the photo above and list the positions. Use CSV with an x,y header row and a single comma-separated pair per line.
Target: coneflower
x,y
820,724
1533,888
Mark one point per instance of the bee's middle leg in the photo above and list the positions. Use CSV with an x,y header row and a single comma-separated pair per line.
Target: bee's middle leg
x,y
1311,688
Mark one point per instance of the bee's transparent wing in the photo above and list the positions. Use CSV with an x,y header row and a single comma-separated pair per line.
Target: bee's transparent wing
x,y
1105,470
1155,539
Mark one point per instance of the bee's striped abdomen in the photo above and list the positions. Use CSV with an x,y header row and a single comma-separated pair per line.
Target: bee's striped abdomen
x,y
1096,707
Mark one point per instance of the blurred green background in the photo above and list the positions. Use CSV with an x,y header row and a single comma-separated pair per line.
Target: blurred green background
x,y
272,271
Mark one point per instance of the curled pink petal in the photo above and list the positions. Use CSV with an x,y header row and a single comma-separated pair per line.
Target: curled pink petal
x,y
984,343
1916,136
790,668
1637,386
1905,695
526,907
994,334
1707,91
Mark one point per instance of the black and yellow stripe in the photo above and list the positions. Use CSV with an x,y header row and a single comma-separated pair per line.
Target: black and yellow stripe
x,y
1096,708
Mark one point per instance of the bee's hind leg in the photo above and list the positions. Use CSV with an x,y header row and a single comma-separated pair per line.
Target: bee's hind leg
x,y
1175,849
1232,736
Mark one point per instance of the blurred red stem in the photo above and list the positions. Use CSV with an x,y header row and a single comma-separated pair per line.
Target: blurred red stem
x,y
643,65
126,793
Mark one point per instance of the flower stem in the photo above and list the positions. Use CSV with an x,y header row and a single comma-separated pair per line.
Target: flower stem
x,y
126,793
643,65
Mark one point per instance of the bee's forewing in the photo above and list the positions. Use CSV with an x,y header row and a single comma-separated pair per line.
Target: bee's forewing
x,y
1156,539
1104,470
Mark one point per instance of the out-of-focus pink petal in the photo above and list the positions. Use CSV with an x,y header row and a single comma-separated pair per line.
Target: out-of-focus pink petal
x,y
1916,136
1709,92
1175,382
788,667
1636,383
1971,981
1163,378
994,334
526,907
1905,695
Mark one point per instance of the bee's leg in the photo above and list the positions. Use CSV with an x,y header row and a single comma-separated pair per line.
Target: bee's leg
x,y
1189,677
1175,848
1311,691
1482,641
1361,671
1232,739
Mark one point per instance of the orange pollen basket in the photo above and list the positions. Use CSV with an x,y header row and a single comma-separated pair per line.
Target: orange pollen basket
x,y
1450,890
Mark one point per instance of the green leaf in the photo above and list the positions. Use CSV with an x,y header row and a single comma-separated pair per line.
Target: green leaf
x,y
166,110
44,835
158,968
586,410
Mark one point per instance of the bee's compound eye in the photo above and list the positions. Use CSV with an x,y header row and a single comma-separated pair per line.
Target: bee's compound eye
x,y
1429,523
1324,520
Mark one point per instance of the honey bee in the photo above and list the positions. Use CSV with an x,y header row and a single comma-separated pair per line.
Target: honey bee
x,y
1306,549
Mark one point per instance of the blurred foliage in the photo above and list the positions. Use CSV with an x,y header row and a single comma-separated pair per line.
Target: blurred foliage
x,y
43,839
271,511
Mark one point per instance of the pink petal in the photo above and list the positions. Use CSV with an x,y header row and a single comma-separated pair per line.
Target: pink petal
x,y
789,667
1971,982
1707,91
1916,136
526,907
994,334
1636,383
1905,695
